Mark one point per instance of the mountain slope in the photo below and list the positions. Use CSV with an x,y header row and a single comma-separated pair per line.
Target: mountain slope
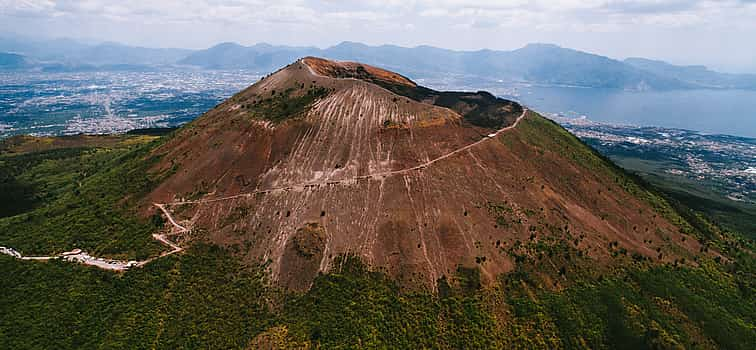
x,y
12,61
382,185
113,53
552,64
326,158
261,57
698,76
536,63
80,56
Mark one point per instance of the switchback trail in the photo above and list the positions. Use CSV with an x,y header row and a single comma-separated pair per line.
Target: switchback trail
x,y
79,256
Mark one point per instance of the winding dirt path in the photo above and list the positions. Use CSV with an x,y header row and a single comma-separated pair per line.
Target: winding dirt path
x,y
76,255
361,177
79,256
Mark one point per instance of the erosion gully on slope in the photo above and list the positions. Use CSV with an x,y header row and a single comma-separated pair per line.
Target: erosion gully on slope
x,y
361,177
76,255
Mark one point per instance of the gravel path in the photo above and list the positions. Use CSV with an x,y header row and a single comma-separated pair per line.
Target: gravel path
x,y
79,256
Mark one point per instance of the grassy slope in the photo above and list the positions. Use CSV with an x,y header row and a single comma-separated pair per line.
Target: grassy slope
x,y
206,299
202,299
641,308
80,191
703,197
479,108
287,104
550,137
77,197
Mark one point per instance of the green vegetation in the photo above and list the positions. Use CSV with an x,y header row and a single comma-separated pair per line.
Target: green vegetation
x,y
480,108
309,240
202,299
284,105
477,108
547,136
502,213
79,197
206,299
704,197
656,308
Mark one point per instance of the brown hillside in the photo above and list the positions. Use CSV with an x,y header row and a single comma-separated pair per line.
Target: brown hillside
x,y
325,158
355,70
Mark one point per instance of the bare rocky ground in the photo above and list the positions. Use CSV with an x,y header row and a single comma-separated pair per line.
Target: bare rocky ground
x,y
399,175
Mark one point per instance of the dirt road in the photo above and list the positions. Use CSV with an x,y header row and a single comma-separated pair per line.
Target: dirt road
x,y
76,255
361,177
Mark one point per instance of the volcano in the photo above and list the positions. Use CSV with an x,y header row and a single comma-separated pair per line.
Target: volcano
x,y
325,159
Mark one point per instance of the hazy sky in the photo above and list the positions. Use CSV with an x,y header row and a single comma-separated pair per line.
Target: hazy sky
x,y
721,34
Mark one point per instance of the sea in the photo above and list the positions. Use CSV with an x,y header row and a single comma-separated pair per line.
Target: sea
x,y
108,102
728,112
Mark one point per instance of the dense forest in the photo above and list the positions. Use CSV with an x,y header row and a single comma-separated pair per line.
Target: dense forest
x,y
206,299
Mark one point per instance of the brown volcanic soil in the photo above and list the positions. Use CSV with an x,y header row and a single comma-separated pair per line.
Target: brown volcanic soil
x,y
355,70
471,209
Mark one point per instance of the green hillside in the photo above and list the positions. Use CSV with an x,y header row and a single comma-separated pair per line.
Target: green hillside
x,y
206,298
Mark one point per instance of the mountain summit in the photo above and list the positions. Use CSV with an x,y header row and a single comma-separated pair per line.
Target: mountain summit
x,y
337,204
323,159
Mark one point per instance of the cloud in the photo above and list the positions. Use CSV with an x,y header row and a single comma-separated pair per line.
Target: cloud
x,y
649,6
27,8
480,13
164,10
450,23
584,15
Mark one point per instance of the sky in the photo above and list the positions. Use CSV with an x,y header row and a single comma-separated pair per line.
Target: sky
x,y
719,34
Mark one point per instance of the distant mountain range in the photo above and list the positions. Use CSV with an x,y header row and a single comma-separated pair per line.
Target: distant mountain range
x,y
698,76
535,63
71,55
336,204
13,61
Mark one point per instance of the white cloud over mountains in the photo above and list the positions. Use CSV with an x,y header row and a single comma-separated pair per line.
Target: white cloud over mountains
x,y
594,11
642,26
